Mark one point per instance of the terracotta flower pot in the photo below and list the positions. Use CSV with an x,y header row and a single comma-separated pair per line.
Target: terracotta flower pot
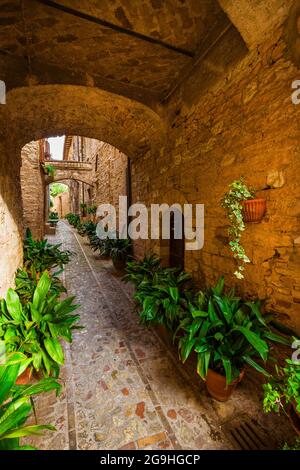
x,y
24,378
254,209
216,385
163,333
294,417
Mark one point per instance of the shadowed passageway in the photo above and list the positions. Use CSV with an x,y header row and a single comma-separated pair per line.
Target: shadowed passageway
x,y
123,386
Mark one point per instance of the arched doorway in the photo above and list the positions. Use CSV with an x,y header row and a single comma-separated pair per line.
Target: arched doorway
x,y
176,244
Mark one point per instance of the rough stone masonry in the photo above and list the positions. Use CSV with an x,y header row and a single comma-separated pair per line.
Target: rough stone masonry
x,y
192,111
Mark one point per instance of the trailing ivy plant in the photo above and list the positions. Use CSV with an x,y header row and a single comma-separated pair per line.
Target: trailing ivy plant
x,y
232,202
283,389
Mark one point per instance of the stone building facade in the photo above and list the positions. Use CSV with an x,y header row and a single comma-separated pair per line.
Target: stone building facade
x,y
109,172
61,204
33,189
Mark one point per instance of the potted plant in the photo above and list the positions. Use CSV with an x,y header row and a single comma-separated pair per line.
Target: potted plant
x,y
92,211
53,219
118,249
282,392
36,327
227,334
42,255
87,229
161,293
241,207
98,244
73,219
16,404
138,271
26,282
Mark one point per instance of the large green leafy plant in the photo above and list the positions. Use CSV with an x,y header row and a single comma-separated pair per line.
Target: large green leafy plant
x,y
97,244
42,255
226,333
16,404
161,293
26,283
36,327
87,228
118,249
73,219
232,202
138,271
53,216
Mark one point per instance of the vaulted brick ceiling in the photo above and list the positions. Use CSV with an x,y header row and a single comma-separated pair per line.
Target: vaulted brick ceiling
x,y
40,43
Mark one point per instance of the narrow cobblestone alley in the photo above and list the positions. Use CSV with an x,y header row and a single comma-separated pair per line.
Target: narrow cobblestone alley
x,y
124,388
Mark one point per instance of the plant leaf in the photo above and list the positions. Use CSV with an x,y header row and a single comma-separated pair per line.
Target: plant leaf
x,y
54,349
258,344
14,305
256,366
227,367
41,290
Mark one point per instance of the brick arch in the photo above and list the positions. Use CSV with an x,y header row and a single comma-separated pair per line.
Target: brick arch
x,y
32,113
65,175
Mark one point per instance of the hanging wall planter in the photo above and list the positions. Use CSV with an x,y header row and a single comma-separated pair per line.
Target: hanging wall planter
x,y
242,207
254,210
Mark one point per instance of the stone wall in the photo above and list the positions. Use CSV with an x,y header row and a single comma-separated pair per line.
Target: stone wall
x,y
61,204
109,171
243,124
33,190
10,214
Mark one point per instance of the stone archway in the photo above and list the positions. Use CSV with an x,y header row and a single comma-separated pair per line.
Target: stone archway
x,y
32,113
73,181
61,202
36,112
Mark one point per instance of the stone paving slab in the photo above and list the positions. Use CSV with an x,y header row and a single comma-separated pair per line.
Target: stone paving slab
x,y
124,387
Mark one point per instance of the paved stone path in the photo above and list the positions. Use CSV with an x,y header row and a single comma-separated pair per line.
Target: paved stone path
x,y
124,388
